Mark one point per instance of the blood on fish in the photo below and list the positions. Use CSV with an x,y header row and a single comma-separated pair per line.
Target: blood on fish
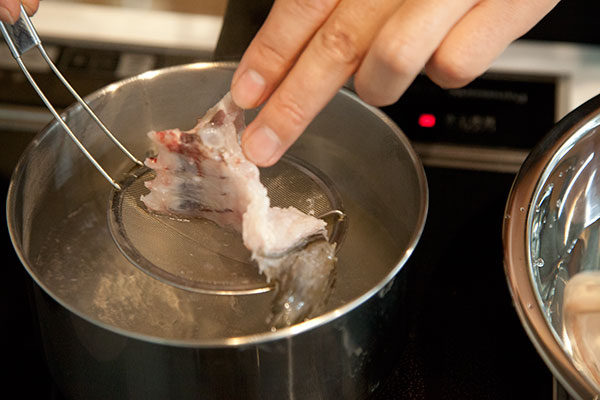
x,y
203,173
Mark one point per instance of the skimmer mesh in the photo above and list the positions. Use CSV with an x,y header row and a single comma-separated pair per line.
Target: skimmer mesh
x,y
198,254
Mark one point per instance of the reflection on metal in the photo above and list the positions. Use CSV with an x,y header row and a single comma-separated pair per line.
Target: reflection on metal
x,y
22,37
470,157
550,217
23,119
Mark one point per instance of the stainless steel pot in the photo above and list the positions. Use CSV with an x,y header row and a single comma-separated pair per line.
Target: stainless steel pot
x,y
550,234
111,331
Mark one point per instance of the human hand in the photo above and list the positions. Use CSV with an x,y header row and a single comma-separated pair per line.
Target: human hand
x,y
307,49
10,9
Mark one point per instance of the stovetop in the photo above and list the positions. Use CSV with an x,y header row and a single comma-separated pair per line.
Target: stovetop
x,y
467,342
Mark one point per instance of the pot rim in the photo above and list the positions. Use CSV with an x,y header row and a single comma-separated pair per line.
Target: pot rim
x,y
516,239
254,339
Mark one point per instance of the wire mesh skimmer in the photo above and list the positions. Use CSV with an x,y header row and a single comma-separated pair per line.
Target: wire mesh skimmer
x,y
22,37
194,255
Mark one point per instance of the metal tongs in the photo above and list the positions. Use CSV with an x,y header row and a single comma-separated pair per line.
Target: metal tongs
x,y
22,37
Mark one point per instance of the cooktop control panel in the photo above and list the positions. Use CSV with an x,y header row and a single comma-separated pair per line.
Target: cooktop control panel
x,y
496,110
87,66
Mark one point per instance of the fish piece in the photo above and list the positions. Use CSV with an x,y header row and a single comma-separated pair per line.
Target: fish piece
x,y
196,173
581,318
305,279
203,173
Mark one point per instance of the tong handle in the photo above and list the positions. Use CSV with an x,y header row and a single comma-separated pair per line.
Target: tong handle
x,y
22,34
22,37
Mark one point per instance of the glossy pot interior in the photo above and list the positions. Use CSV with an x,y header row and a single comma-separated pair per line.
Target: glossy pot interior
x,y
551,235
57,213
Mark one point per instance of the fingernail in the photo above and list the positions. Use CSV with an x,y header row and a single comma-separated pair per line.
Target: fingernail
x,y
5,16
248,89
31,6
28,9
261,145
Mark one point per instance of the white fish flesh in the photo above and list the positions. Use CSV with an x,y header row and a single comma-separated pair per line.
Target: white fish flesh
x,y
203,173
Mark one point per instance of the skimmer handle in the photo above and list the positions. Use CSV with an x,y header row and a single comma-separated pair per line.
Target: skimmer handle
x,y
22,37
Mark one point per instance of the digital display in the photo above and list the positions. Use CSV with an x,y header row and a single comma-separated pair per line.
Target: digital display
x,y
495,110
427,120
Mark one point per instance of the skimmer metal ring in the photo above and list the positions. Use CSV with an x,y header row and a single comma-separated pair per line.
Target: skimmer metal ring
x,y
199,255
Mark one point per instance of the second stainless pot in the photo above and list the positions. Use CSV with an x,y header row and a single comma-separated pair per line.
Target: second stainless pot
x,y
551,234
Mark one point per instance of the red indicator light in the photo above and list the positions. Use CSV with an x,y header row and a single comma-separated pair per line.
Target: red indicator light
x,y
427,120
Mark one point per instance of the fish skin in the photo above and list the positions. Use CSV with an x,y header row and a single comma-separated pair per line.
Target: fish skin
x,y
307,273
203,173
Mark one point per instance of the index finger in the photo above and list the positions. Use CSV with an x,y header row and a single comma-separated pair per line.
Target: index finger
x,y
330,58
285,33
10,9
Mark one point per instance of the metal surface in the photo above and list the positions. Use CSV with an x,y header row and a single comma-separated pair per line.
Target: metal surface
x,y
100,316
552,209
22,37
471,157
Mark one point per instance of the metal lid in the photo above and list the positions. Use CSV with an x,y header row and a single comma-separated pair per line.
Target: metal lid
x,y
549,207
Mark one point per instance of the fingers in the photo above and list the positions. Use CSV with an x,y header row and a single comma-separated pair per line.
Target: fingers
x,y
31,6
326,63
304,54
404,45
10,9
285,33
454,41
480,37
